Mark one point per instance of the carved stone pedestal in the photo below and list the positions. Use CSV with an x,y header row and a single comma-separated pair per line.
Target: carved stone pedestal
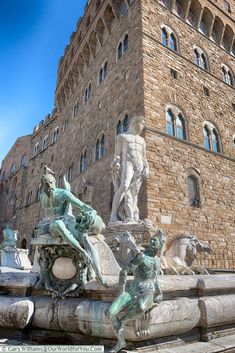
x,y
62,269
15,258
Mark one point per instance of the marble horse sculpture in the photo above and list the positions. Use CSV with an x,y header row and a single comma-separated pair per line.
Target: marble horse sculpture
x,y
143,294
181,253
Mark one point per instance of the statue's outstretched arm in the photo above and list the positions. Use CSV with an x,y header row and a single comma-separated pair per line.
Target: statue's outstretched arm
x,y
76,202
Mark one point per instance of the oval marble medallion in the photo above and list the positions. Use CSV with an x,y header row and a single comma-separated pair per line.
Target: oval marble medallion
x,y
63,268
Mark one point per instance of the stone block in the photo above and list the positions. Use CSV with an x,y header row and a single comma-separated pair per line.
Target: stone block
x,y
169,318
15,313
217,310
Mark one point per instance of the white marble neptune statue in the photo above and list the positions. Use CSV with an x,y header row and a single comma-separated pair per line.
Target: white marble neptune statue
x,y
129,168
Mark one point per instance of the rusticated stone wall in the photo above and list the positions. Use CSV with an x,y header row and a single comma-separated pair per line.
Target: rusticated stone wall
x,y
172,160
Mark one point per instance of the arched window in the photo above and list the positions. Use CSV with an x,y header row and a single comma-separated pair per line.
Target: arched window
x,y
175,124
196,57
87,93
193,191
180,129
13,170
211,138
169,38
24,161
170,123
100,148
200,58
29,198
70,173
227,75
172,42
203,62
75,109
123,8
122,125
178,8
125,43
123,46
203,27
233,141
55,135
36,149
45,142
206,133
215,141
83,162
164,37
23,244
119,53
38,193
103,72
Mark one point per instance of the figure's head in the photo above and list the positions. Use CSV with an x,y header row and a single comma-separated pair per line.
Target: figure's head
x,y
137,124
155,245
48,182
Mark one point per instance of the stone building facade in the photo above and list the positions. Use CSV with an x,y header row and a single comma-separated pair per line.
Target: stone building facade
x,y
174,62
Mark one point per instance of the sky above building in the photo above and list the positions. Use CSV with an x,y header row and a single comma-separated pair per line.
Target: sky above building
x,y
33,35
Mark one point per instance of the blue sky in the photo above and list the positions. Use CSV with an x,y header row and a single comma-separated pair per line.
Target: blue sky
x,y
33,35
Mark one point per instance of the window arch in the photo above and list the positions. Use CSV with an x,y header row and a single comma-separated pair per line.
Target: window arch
x,y
227,75
100,148
169,38
194,13
70,173
206,23
175,123
179,8
38,193
36,149
29,198
103,73
24,161
55,135
83,162
123,46
123,8
87,93
200,58
13,170
234,141
23,244
75,109
212,139
122,125
193,191
45,143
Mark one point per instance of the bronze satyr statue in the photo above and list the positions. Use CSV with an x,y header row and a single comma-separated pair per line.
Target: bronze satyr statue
x,y
143,294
